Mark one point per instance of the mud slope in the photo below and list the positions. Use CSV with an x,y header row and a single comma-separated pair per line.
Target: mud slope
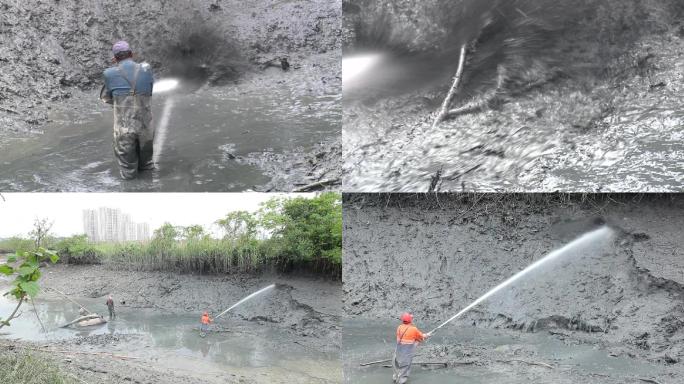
x,y
300,314
307,308
433,255
589,100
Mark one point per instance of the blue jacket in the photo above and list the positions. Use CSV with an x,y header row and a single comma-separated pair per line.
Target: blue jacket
x,y
120,79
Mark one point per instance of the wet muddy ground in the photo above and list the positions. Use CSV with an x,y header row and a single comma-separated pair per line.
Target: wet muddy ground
x,y
609,306
272,131
288,335
249,127
619,130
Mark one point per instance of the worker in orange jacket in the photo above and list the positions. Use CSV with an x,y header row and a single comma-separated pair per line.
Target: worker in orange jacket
x,y
204,322
408,337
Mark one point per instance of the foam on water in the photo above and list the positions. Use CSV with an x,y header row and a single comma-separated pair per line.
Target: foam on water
x,y
592,237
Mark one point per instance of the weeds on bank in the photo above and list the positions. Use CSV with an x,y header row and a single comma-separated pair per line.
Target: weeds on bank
x,y
26,368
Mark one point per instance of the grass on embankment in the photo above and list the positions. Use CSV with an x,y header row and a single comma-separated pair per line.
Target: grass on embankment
x,y
26,368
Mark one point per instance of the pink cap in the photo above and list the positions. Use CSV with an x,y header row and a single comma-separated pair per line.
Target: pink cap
x,y
120,46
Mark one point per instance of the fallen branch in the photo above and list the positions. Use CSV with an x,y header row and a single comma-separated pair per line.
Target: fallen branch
x,y
14,315
317,184
375,362
443,364
443,111
82,318
653,381
527,362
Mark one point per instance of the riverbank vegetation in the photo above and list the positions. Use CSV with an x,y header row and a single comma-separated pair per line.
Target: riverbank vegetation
x,y
24,367
285,235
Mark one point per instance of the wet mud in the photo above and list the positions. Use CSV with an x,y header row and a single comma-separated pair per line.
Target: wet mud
x,y
610,314
593,105
288,335
223,48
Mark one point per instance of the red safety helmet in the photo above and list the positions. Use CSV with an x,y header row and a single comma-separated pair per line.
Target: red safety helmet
x,y
406,318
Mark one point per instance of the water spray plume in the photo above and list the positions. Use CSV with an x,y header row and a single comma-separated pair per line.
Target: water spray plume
x,y
353,67
262,290
164,85
587,238
160,134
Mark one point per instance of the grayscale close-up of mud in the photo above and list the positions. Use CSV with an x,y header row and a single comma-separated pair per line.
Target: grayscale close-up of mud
x,y
240,119
579,95
606,308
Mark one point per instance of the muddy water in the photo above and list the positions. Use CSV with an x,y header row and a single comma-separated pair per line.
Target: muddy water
x,y
172,340
216,139
372,340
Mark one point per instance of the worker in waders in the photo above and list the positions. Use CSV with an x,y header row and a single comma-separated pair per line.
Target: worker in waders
x,y
110,307
128,87
204,323
408,337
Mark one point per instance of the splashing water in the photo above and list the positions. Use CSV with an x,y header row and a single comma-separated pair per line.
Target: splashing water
x,y
353,67
160,133
164,85
262,290
586,239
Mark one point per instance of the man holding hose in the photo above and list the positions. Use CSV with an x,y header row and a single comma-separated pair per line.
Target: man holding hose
x,y
128,87
408,337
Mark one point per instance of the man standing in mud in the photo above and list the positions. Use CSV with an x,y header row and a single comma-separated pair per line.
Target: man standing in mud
x,y
110,306
408,337
205,320
128,86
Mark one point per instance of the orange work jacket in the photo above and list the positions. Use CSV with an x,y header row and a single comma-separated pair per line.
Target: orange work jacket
x,y
409,334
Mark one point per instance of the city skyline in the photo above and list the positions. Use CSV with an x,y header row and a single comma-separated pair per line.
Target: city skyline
x,y
18,211
106,224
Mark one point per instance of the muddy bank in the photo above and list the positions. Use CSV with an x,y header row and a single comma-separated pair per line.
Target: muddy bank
x,y
54,52
592,104
290,334
433,255
308,308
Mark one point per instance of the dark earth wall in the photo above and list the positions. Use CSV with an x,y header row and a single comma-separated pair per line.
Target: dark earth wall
x,y
434,255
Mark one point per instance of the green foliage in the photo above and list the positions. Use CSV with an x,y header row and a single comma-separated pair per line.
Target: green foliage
x,y
308,232
288,234
27,368
77,250
238,224
25,267
16,244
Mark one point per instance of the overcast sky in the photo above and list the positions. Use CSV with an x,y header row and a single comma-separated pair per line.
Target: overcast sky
x,y
19,210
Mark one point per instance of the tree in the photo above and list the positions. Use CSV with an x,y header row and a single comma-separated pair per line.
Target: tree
x,y
193,232
41,230
309,229
26,275
167,233
238,224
